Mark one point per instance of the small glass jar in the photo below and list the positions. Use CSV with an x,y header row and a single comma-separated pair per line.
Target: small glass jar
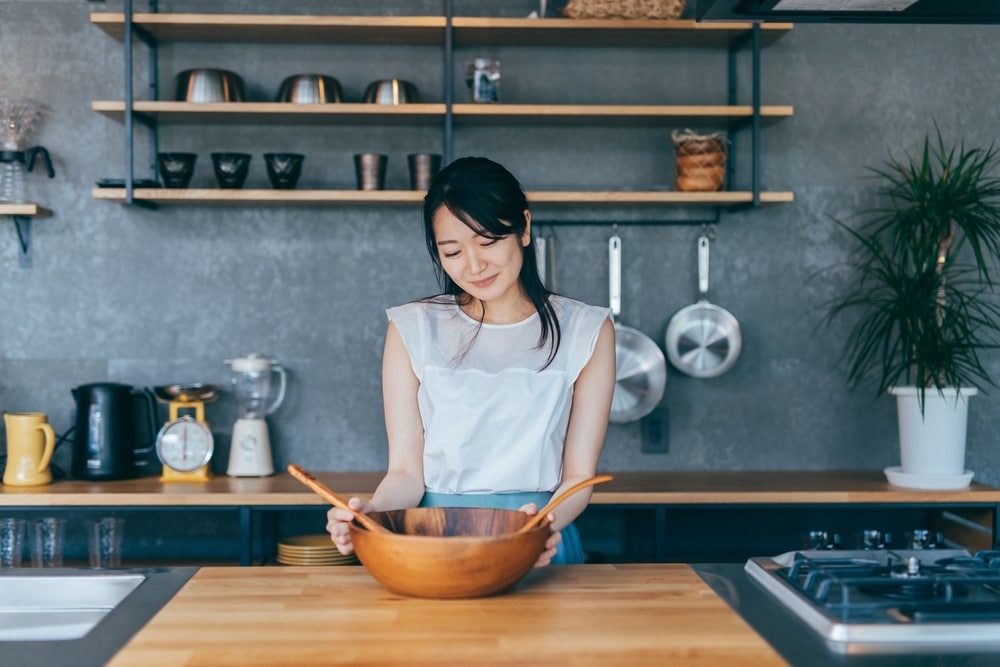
x,y
482,76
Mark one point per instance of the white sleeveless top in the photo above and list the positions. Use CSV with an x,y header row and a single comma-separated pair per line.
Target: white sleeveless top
x,y
493,422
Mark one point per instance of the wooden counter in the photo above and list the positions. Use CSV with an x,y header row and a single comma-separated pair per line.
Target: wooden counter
x,y
628,488
601,615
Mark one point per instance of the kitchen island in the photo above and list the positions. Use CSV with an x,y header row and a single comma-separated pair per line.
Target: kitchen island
x,y
625,615
606,615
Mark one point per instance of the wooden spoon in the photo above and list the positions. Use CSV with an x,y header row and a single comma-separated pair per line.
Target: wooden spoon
x,y
324,492
544,512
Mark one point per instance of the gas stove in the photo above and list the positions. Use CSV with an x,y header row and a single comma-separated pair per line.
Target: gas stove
x,y
890,600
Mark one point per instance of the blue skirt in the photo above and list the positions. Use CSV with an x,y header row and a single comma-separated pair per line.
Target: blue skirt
x,y
570,550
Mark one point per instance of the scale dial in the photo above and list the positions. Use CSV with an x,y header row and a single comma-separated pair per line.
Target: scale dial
x,y
184,444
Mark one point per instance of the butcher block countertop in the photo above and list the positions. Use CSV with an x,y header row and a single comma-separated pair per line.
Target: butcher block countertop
x,y
651,488
601,615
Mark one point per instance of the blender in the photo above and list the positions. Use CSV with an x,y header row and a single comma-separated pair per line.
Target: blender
x,y
18,118
256,396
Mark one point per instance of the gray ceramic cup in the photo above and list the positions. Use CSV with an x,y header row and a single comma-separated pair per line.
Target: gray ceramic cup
x,y
370,170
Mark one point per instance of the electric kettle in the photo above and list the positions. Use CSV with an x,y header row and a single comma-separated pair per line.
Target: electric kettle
x,y
115,430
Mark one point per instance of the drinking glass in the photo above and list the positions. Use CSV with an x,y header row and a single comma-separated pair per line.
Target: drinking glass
x,y
104,541
11,542
47,542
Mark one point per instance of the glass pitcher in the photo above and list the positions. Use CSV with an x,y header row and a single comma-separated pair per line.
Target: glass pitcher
x,y
252,384
13,166
18,118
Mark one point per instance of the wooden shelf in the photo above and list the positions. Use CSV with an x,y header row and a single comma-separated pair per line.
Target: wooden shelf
x,y
695,488
179,112
612,113
259,196
730,198
227,112
277,28
468,30
25,210
477,31
415,197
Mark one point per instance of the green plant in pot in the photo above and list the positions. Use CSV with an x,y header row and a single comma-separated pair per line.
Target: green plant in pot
x,y
924,301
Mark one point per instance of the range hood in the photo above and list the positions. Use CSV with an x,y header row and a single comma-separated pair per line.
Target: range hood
x,y
850,11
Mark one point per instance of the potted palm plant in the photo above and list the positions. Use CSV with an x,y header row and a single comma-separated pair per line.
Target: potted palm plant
x,y
923,297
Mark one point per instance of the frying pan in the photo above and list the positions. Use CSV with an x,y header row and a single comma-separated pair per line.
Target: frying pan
x,y
703,340
640,368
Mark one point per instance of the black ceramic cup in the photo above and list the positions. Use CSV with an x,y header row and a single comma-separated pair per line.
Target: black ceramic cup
x,y
176,169
283,169
231,169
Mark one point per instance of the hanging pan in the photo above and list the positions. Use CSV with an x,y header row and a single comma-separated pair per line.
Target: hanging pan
x,y
640,368
703,340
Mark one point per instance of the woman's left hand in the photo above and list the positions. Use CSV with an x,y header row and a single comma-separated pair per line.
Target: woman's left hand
x,y
551,544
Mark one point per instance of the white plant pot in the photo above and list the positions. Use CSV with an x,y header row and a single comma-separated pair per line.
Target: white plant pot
x,y
932,444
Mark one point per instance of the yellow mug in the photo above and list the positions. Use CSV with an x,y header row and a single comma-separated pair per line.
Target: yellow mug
x,y
30,443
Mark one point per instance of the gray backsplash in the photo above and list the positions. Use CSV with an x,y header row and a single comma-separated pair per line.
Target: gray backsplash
x,y
150,297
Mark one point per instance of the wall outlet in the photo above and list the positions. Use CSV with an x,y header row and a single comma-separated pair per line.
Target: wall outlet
x,y
656,431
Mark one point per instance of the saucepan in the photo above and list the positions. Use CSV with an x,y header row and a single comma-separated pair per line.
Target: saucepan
x,y
309,89
640,368
703,340
391,91
208,85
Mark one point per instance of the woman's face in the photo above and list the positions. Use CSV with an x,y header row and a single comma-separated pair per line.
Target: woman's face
x,y
485,268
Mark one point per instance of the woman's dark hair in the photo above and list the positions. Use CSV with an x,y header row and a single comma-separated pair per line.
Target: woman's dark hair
x,y
490,201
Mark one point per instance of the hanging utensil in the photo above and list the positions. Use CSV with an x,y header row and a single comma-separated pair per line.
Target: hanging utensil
x,y
552,504
703,339
324,492
640,368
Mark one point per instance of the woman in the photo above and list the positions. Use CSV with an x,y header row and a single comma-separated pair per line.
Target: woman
x,y
496,392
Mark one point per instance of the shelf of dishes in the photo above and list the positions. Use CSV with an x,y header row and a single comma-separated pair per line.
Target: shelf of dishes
x,y
415,197
430,30
422,112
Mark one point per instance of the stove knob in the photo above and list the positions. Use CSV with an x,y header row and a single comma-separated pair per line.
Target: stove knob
x,y
874,539
816,539
924,539
820,540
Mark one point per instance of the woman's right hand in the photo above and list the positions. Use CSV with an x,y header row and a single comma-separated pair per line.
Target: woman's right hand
x,y
337,521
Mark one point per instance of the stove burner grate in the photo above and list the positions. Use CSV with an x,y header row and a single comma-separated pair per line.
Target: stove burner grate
x,y
910,601
852,587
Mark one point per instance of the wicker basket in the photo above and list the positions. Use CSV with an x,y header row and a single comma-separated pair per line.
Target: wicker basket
x,y
700,161
624,9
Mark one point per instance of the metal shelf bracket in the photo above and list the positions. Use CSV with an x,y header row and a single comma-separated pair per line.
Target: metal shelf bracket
x,y
22,224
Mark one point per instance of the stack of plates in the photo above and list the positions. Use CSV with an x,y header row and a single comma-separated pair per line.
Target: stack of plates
x,y
311,550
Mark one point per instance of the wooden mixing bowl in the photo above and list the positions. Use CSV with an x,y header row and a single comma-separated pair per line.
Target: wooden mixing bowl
x,y
449,552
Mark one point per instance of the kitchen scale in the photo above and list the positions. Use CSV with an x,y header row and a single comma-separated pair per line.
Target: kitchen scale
x,y
185,445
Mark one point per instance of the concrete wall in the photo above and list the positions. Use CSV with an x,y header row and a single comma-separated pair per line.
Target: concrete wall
x,y
149,297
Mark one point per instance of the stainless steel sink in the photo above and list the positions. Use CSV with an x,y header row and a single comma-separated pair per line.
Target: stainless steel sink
x,y
52,607
78,617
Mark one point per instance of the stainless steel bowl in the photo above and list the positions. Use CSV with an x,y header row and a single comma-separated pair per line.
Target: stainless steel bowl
x,y
309,89
208,85
391,91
